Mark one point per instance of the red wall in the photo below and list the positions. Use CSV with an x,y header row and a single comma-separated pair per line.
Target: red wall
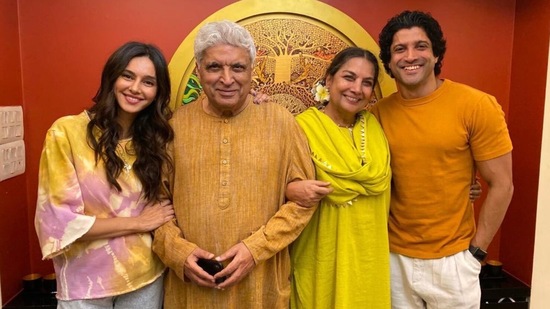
x,y
527,95
14,239
64,44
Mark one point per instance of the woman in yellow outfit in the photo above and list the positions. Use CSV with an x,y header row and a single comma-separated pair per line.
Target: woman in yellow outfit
x,y
341,259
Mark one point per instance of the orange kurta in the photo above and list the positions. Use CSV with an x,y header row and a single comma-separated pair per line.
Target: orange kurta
x,y
229,186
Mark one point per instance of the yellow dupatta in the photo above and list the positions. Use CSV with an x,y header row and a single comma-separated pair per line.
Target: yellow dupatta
x,y
358,166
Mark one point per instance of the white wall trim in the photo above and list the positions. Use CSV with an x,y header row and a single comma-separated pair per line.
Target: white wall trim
x,y
540,285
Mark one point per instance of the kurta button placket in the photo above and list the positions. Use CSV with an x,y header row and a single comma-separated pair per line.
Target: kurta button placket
x,y
225,171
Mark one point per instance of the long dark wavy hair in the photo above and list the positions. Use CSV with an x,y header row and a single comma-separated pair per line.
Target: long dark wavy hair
x,y
408,20
150,129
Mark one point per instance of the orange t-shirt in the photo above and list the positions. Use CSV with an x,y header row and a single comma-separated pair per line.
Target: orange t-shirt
x,y
434,141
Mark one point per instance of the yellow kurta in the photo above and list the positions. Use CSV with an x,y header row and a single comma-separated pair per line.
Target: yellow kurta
x,y
341,259
229,186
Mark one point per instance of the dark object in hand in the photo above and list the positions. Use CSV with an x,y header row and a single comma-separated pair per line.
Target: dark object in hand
x,y
212,267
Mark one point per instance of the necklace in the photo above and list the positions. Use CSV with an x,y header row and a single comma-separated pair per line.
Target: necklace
x,y
347,126
121,152
127,167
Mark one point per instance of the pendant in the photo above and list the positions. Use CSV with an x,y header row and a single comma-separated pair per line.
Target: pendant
x,y
127,167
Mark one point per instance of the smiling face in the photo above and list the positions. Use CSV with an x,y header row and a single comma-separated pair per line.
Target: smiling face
x,y
350,88
225,73
135,88
412,62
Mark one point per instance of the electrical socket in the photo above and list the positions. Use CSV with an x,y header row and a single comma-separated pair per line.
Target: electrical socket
x,y
12,159
11,124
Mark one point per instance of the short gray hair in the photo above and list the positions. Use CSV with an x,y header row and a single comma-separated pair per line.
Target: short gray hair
x,y
223,32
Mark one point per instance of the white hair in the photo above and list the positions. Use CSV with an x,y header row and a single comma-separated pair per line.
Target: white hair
x,y
223,32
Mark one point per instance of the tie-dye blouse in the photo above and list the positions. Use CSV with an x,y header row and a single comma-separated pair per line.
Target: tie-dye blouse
x,y
73,190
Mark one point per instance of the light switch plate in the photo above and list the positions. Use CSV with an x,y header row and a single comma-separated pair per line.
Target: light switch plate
x,y
11,124
12,159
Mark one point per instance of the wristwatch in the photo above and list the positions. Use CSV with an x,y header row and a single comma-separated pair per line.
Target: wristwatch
x,y
478,253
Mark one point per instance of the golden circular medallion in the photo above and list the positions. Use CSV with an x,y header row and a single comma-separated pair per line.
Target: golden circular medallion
x,y
295,42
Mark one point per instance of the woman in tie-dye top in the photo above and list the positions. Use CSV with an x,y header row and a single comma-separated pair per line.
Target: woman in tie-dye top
x,y
100,188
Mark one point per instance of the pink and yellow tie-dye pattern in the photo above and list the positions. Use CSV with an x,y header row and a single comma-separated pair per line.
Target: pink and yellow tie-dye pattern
x,y
72,192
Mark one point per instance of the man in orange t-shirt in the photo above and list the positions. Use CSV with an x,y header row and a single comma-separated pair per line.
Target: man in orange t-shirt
x,y
440,132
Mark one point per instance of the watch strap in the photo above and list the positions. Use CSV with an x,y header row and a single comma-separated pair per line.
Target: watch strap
x,y
478,253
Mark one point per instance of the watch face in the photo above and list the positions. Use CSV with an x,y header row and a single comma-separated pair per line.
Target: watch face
x,y
478,253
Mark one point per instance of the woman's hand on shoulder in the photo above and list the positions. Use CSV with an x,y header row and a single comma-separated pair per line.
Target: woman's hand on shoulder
x,y
259,97
307,193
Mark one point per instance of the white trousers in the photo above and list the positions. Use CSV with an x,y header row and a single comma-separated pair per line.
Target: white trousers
x,y
451,282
